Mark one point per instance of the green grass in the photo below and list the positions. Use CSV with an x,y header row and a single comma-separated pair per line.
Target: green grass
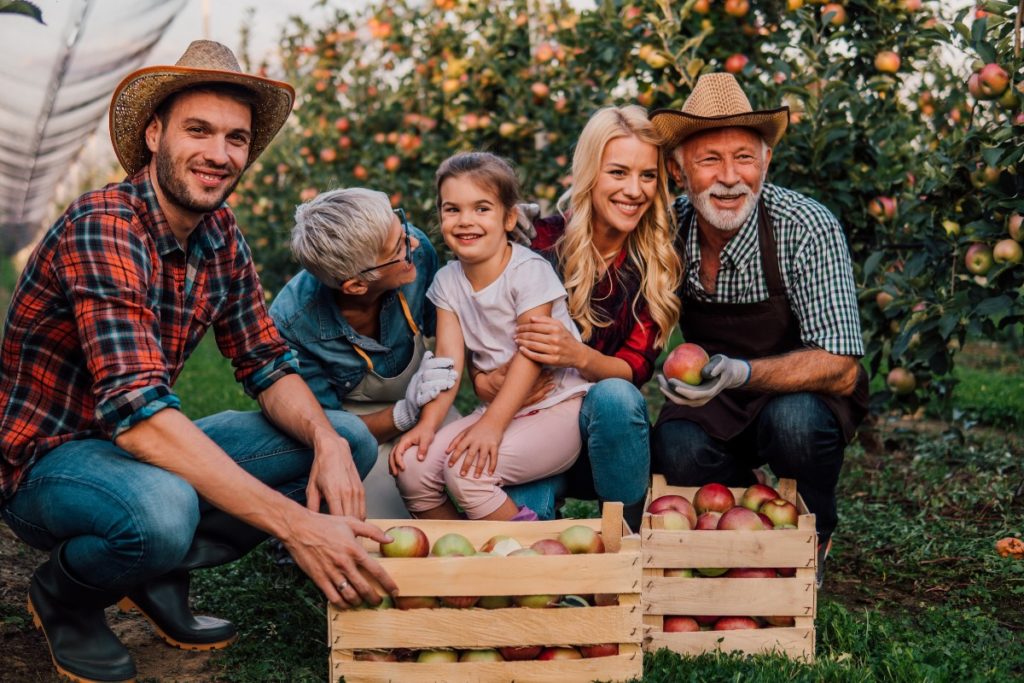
x,y
914,591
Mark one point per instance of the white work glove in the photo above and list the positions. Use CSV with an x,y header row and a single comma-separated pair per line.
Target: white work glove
x,y
524,232
720,373
433,376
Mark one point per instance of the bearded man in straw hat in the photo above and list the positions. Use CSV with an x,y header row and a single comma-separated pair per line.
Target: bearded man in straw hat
x,y
769,291
99,465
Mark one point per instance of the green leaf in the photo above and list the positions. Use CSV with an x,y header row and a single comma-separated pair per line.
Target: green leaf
x,y
993,305
948,324
22,7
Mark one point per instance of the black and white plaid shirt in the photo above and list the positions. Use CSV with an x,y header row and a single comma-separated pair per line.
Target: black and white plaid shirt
x,y
813,258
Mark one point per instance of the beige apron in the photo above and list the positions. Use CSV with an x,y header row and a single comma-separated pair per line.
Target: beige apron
x,y
375,393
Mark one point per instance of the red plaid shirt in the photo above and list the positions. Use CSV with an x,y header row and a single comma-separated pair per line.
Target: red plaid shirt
x,y
631,335
106,312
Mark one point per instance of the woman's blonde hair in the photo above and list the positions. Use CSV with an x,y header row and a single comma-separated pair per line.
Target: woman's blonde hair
x,y
651,247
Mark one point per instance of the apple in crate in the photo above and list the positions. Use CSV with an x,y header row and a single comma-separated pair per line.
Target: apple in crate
x,y
766,520
740,519
550,546
679,573
485,655
673,502
780,621
494,602
533,601
751,573
708,521
757,495
681,624
685,362
780,511
437,656
415,602
559,653
453,545
675,521
734,624
500,545
375,656
713,498
406,541
521,653
579,539
602,650
706,620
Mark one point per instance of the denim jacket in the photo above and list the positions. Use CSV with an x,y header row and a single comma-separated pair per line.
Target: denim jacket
x,y
309,320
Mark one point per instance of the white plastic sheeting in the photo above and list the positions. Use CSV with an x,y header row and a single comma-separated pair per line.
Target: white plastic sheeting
x,y
55,85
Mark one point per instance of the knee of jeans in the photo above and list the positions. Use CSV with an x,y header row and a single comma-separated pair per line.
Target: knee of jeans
x,y
799,428
362,443
158,526
615,397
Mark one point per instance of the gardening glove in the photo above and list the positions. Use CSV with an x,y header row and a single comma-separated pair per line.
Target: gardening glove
x,y
720,373
435,374
524,232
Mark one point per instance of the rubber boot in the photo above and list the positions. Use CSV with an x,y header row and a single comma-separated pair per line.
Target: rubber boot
x,y
163,601
70,615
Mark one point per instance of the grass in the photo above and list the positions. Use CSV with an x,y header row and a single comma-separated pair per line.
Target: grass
x,y
914,592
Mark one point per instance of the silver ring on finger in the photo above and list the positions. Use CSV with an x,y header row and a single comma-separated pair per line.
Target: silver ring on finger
x,y
342,586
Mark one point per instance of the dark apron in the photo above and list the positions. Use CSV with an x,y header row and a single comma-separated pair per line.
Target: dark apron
x,y
749,331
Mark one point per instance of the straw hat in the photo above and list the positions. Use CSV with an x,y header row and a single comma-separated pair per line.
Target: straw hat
x,y
205,61
717,101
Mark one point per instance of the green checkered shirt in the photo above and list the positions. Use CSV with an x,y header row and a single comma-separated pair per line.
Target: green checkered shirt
x,y
814,261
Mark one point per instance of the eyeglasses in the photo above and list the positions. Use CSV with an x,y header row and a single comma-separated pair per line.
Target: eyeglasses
x,y
408,246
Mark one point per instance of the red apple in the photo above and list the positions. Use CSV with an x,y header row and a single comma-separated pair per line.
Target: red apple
x,y
901,381
834,13
1007,251
500,545
978,258
437,656
674,521
706,620
602,650
766,520
740,518
415,602
453,545
685,362
780,511
675,502
993,80
882,208
757,495
375,656
459,601
737,8
406,541
751,573
559,653
780,621
734,623
708,521
550,546
786,572
485,655
606,599
521,653
734,63
579,539
887,61
974,86
713,498
681,625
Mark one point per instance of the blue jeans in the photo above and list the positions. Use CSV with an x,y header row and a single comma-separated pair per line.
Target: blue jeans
x,y
615,463
795,434
128,521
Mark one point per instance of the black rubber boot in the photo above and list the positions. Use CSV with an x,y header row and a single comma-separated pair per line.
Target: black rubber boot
x,y
70,615
219,539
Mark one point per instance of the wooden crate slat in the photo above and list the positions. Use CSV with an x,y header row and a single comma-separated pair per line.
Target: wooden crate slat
x,y
521,575
477,628
688,549
729,597
619,668
797,643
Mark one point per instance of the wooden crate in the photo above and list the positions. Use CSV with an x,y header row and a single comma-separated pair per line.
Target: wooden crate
x,y
784,548
616,571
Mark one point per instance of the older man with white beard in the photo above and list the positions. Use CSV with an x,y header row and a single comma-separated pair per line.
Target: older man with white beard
x,y
769,291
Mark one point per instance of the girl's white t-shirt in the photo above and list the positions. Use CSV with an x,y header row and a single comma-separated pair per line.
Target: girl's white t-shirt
x,y
488,317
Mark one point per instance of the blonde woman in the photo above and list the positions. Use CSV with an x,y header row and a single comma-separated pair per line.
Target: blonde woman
x,y
612,243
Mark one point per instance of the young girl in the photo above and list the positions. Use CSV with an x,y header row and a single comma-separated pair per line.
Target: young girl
x,y
480,298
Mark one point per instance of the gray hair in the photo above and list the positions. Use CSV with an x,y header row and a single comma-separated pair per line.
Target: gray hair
x,y
341,232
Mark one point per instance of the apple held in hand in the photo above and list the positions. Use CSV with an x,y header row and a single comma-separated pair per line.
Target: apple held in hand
x,y
685,362
713,498
757,495
780,511
673,502
579,539
406,541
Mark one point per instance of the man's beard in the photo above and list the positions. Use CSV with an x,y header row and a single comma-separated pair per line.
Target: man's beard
x,y
726,220
175,186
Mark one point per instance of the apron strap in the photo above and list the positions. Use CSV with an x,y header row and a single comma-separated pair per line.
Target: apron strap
x,y
408,318
769,252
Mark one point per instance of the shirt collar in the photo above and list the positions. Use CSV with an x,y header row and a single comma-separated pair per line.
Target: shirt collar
x,y
208,234
738,251
332,323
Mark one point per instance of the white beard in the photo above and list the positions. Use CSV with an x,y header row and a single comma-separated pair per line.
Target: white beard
x,y
726,220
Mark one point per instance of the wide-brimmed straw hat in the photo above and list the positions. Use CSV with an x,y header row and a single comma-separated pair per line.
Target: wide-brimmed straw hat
x,y
717,101
205,61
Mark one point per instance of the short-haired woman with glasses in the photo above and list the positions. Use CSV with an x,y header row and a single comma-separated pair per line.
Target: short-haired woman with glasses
x,y
357,316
